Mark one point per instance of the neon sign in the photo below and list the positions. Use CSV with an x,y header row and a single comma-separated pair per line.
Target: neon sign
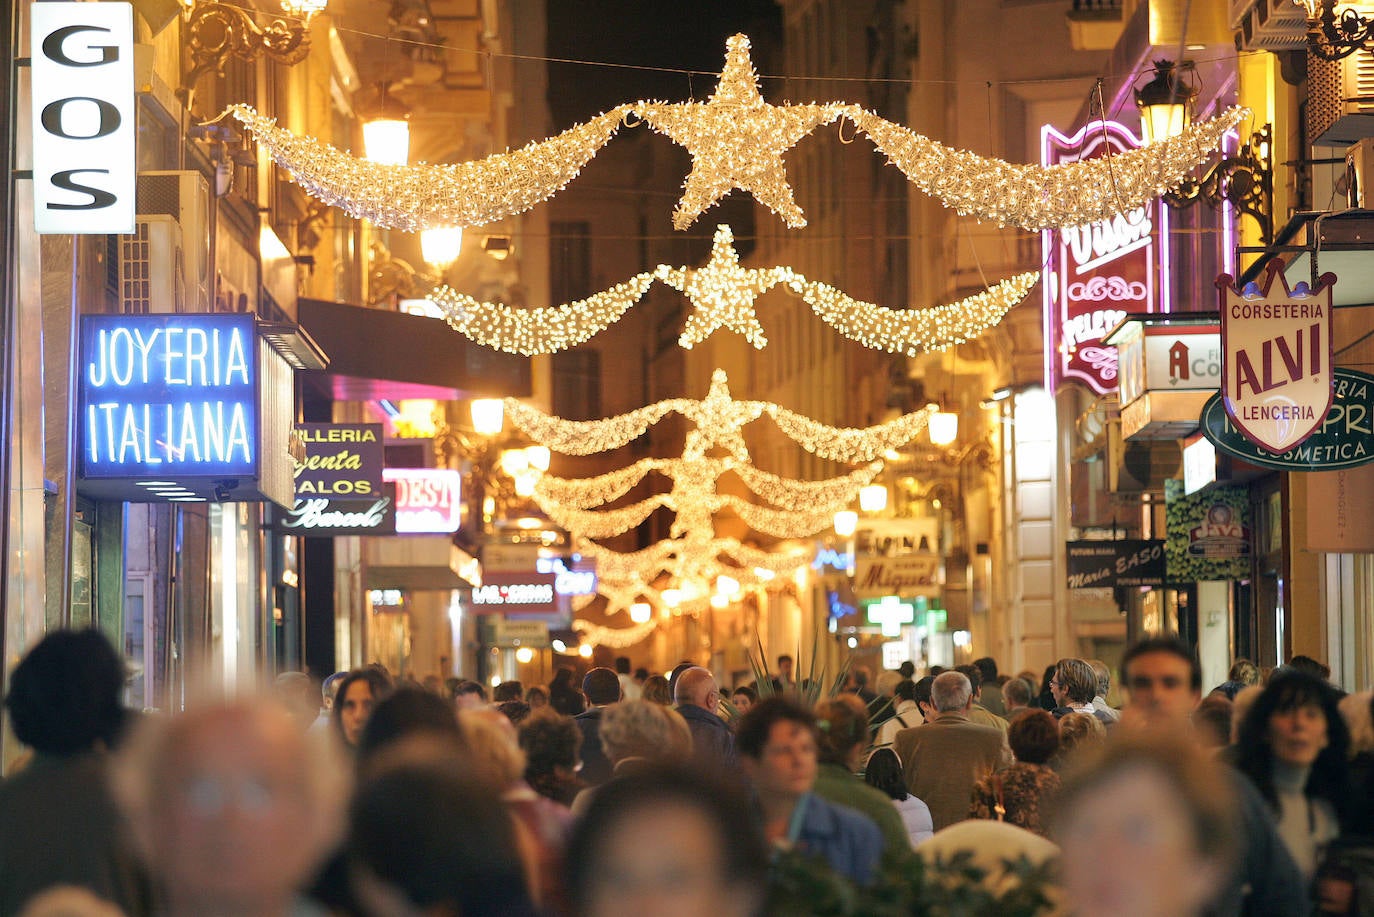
x,y
169,395
567,580
428,500
516,592
1100,272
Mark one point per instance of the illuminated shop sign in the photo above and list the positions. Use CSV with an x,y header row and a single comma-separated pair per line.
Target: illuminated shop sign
x,y
168,396
321,517
428,500
341,460
510,593
1097,273
84,123
568,580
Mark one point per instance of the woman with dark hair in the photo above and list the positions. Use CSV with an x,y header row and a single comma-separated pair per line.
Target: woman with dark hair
x,y
563,694
551,743
359,693
884,773
1018,794
403,713
1045,699
843,724
1292,745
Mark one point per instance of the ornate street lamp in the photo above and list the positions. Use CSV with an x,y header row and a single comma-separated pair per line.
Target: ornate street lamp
x,y
1332,35
214,31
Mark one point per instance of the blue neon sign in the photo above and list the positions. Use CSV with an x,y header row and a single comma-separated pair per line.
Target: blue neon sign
x,y
169,395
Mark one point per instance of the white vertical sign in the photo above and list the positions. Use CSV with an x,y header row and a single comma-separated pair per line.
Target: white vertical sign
x,y
84,119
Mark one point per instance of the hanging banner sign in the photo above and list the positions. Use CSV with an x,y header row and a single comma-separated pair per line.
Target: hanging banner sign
x,y
84,117
1104,564
428,500
342,460
1345,438
511,593
1208,533
905,575
1099,272
1276,357
321,517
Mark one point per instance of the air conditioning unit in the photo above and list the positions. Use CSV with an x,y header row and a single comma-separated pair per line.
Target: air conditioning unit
x,y
1268,25
152,267
185,197
1359,175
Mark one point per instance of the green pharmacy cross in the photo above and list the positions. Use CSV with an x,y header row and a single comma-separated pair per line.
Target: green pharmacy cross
x,y
891,613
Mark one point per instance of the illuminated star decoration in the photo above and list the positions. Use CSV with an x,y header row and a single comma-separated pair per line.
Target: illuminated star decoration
x,y
736,140
719,420
722,292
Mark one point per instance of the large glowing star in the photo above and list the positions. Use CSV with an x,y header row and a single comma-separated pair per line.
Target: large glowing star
x,y
722,292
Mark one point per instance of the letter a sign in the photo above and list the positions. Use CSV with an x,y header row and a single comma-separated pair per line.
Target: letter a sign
x,y
1277,379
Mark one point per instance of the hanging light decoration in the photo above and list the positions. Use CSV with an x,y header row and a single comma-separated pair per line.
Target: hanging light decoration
x,y
943,427
441,245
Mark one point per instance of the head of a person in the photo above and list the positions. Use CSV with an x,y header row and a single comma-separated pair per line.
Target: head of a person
x,y
1358,712
231,806
563,678
655,689
1029,678
884,772
469,695
493,746
1295,723
601,686
1074,682
862,676
951,692
843,729
1016,694
975,678
1034,737
1104,676
696,687
507,690
987,668
921,693
886,683
618,864
744,698
675,674
1163,682
537,696
641,675
513,710
622,665
644,729
329,690
296,692
907,670
64,694
1212,721
551,742
776,742
1244,671
785,666
904,691
429,835
1154,817
1240,706
359,692
406,712
1080,732
1309,666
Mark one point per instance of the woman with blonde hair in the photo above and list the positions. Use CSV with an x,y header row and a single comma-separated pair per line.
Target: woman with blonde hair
x,y
1078,733
635,734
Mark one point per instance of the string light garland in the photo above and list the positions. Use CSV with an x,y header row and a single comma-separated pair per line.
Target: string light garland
x,y
722,293
615,637
1045,197
736,140
548,329
850,444
914,331
585,437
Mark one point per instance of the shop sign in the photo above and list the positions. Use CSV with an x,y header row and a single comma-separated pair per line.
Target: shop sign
x,y
342,460
1099,272
1276,343
1345,438
505,632
321,517
1208,533
1220,534
1199,464
510,593
428,500
171,396
895,653
890,613
575,578
906,575
1165,359
1105,564
84,123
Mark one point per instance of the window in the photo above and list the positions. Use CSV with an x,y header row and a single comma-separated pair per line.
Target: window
x,y
577,384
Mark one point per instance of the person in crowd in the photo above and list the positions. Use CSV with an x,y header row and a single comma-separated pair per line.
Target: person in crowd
x,y
777,747
1074,685
601,687
230,807
1105,711
698,699
785,674
1358,712
656,690
945,757
296,694
1030,678
629,688
1146,828
1079,733
1017,696
507,691
990,694
470,695
743,698
905,715
329,690
641,675
1022,792
863,683
552,743
1292,745
840,746
907,670
978,713
537,696
359,692
492,743
1212,722
1244,700
514,710
883,706
1243,674
883,772
619,864
429,835
58,822
405,712
1163,682
564,695
1309,666
636,733
1045,699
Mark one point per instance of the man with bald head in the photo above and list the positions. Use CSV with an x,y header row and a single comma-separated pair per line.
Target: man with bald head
x,y
697,699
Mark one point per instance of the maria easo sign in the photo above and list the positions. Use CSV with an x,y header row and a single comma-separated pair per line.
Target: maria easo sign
x,y
84,122
1344,439
1276,357
1127,562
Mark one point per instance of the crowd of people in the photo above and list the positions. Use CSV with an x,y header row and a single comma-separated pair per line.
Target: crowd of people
x,y
632,793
